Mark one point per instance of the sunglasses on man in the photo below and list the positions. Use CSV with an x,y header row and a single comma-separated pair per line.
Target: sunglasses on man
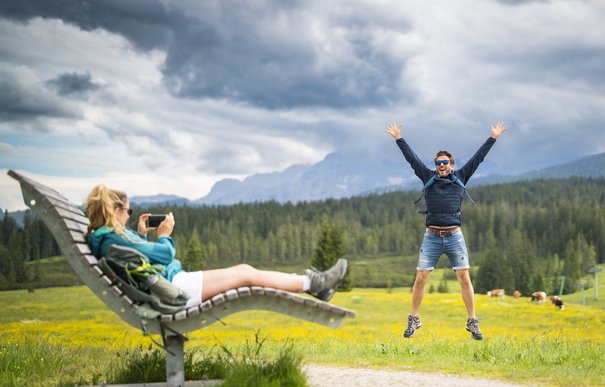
x,y
441,162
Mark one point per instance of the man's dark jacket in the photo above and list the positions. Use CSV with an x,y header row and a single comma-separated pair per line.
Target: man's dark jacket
x,y
444,197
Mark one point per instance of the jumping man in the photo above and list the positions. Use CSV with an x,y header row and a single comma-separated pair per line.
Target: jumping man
x,y
443,192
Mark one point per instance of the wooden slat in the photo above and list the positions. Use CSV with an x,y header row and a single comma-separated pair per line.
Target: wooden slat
x,y
43,190
105,279
77,226
70,210
127,301
231,294
97,270
218,299
193,311
180,315
206,305
244,292
90,259
76,236
116,291
257,290
284,294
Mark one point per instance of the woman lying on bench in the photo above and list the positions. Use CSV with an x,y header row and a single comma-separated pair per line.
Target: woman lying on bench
x,y
109,210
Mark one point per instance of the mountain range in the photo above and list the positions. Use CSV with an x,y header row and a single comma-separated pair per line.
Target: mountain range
x,y
338,176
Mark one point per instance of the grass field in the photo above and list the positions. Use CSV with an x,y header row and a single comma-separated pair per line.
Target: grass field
x,y
525,343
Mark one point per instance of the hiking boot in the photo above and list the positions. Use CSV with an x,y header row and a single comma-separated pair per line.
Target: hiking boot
x,y
413,324
472,325
324,283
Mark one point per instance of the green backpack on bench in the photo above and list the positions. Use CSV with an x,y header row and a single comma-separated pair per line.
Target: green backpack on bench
x,y
142,282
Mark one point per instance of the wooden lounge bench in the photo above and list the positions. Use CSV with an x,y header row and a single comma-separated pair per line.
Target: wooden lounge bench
x,y
68,225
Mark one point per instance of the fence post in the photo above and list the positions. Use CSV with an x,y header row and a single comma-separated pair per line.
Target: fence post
x,y
596,271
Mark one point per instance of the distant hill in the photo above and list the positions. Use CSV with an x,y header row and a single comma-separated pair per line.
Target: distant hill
x,y
339,176
158,200
588,166
336,176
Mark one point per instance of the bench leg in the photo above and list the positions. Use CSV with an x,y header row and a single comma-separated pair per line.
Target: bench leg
x,y
175,361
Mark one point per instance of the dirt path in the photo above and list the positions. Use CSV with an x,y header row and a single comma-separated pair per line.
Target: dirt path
x,y
321,376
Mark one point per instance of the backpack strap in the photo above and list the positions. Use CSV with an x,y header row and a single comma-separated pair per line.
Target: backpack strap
x,y
427,185
461,184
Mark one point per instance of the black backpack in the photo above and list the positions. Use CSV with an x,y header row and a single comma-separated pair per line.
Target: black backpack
x,y
131,272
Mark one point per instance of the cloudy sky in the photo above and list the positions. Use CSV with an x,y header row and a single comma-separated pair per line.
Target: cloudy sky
x,y
161,96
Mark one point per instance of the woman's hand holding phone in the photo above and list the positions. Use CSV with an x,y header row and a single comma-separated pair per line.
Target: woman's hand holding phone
x,y
165,228
142,225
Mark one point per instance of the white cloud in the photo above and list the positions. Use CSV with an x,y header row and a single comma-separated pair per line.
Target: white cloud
x,y
342,70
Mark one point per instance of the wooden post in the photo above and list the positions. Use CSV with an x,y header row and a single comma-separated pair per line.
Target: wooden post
x,y
175,361
595,270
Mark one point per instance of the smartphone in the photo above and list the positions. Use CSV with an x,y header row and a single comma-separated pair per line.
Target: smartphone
x,y
155,220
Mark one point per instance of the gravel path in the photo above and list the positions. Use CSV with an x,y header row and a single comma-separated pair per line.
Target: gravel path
x,y
321,376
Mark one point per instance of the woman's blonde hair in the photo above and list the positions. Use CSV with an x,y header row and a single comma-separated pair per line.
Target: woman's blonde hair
x,y
101,206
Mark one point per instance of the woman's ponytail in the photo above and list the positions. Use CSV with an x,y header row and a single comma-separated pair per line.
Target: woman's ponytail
x,y
101,206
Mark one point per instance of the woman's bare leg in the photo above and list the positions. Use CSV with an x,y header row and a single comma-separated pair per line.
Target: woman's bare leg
x,y
220,280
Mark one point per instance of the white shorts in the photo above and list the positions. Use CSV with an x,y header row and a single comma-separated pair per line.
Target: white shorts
x,y
192,283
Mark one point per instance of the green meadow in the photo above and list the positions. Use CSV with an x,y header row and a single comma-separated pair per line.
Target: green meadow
x,y
66,336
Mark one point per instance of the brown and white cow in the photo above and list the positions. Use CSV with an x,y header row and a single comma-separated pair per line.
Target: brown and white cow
x,y
496,293
517,294
538,297
557,301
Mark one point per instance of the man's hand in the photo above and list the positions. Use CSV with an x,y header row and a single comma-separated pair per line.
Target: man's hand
x,y
498,130
394,130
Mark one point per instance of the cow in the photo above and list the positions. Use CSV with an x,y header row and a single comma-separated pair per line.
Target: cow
x,y
538,297
496,293
557,301
517,294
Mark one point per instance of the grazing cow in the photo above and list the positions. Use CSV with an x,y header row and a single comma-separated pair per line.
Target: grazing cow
x,y
558,302
496,293
538,297
517,294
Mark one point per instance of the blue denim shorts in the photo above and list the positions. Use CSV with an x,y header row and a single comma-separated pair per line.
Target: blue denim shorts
x,y
434,245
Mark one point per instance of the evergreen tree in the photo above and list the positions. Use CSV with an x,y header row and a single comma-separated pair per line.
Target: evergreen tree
x,y
330,247
7,270
323,256
7,227
193,259
15,245
537,284
494,272
443,288
571,268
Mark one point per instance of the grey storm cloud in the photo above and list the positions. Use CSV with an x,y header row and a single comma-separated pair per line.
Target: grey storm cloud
x,y
21,103
74,83
265,56
433,67
143,22
272,60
